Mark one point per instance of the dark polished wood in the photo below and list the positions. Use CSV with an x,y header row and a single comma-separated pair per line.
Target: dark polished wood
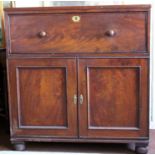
x,y
79,74
41,94
114,91
94,32
88,35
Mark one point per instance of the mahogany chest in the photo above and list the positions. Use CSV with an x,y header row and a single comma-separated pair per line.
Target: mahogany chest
x,y
79,74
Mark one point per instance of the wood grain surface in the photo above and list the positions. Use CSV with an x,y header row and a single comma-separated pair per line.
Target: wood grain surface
x,y
79,74
88,35
41,95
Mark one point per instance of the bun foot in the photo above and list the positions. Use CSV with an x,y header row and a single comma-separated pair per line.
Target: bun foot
x,y
19,146
141,148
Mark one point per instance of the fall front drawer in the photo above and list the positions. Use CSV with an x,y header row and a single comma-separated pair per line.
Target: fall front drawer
x,y
91,32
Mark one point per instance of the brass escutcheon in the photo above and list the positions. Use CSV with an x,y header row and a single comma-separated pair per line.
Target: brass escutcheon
x,y
76,19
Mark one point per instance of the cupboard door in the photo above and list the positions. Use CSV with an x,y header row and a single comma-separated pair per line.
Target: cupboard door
x,y
115,98
42,97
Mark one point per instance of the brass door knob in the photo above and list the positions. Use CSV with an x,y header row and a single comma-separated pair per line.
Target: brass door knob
x,y
42,34
110,33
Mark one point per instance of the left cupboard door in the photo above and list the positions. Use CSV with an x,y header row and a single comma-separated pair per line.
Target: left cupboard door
x,y
42,97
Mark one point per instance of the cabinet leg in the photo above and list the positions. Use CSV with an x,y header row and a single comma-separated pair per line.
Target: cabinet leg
x,y
141,148
19,146
131,146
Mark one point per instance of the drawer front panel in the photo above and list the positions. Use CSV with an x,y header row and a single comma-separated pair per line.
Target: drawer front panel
x,y
78,33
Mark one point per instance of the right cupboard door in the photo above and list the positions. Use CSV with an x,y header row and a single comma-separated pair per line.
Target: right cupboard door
x,y
113,98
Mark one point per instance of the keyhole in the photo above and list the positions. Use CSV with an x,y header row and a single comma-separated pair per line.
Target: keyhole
x,y
76,18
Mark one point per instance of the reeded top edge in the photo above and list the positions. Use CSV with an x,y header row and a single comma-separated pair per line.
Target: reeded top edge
x,y
57,9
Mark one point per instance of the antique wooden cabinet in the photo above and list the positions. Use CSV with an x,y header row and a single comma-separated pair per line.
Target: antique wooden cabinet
x,y
79,74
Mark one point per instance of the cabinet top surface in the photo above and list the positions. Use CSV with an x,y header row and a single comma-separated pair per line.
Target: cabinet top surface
x,y
106,8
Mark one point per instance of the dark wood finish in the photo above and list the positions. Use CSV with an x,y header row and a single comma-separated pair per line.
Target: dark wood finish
x,y
85,71
91,34
41,94
114,91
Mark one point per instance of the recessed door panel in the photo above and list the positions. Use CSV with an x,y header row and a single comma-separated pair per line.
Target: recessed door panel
x,y
42,96
113,97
